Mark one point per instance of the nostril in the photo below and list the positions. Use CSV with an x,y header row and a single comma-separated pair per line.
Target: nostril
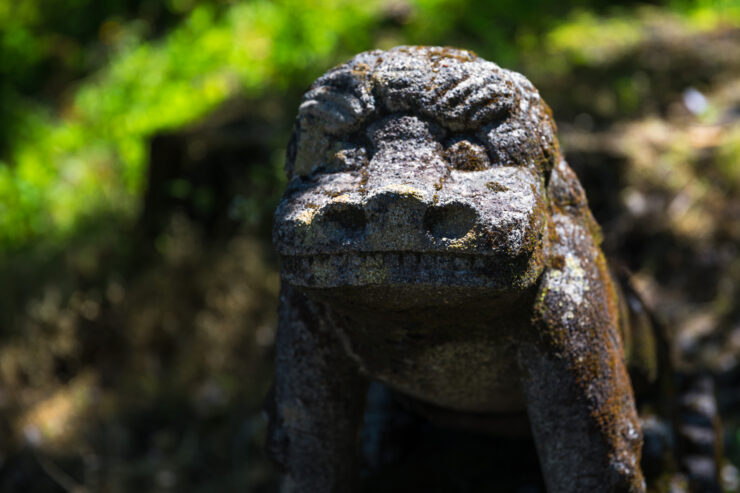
x,y
349,219
450,221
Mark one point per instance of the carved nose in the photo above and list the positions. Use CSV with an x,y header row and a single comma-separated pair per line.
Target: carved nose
x,y
347,220
396,213
449,221
397,220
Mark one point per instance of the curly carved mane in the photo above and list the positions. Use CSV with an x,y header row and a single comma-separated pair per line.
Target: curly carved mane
x,y
468,97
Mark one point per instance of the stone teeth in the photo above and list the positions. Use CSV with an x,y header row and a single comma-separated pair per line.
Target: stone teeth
x,y
397,259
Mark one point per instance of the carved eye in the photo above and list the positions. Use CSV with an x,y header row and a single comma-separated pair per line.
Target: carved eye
x,y
512,143
345,156
467,156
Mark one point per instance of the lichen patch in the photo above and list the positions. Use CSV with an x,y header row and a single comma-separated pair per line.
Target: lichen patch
x,y
406,190
571,281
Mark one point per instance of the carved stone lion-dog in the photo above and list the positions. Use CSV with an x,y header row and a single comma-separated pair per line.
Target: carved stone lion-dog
x,y
433,238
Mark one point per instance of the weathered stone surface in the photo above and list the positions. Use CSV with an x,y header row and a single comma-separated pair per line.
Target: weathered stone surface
x,y
433,239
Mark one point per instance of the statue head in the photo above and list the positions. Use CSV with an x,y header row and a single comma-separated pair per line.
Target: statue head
x,y
417,168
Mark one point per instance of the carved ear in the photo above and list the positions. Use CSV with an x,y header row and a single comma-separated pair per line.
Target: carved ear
x,y
325,113
340,101
334,110
338,104
311,145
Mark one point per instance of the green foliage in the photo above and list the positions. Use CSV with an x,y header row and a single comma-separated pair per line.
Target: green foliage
x,y
588,39
606,37
93,158
728,160
46,44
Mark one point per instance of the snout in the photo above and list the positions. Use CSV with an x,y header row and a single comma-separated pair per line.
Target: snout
x,y
392,219
474,231
497,212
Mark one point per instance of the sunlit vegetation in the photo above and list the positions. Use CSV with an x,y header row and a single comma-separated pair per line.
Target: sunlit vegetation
x,y
90,155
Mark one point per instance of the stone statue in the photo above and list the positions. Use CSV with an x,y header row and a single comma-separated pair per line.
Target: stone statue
x,y
433,238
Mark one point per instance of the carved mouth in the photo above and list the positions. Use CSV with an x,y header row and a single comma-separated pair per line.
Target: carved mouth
x,y
410,268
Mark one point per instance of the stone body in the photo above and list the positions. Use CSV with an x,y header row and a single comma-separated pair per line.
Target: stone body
x,y
433,238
